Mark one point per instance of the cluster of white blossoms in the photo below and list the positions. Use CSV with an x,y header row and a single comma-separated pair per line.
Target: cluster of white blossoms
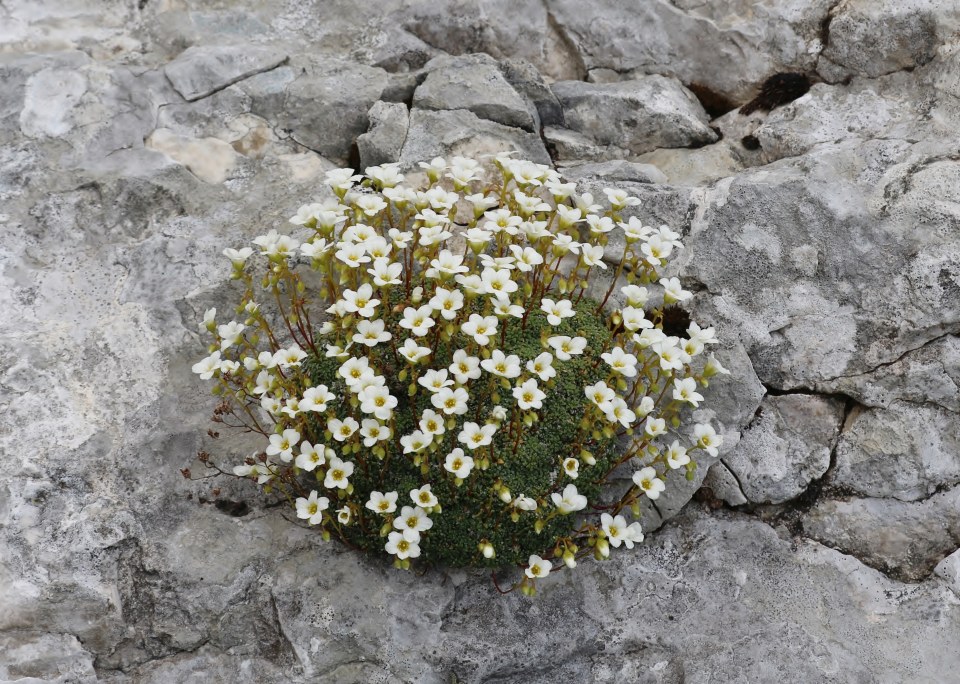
x,y
415,336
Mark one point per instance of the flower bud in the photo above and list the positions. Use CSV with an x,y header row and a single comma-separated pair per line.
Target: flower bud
x,y
569,559
505,495
603,548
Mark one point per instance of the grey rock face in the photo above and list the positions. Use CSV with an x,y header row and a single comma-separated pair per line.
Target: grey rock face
x,y
786,447
638,116
476,84
200,71
388,129
460,132
872,38
137,140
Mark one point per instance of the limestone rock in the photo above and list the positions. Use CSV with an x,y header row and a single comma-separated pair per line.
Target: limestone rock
x,y
530,84
200,71
906,451
876,37
639,115
388,129
460,132
906,539
786,446
325,107
476,84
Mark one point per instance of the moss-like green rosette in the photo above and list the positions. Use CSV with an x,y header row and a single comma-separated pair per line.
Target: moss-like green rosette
x,y
472,512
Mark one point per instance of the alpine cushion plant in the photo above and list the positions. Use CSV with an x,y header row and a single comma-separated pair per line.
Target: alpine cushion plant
x,y
432,379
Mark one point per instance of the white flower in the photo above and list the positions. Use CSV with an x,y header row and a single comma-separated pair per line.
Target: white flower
x,y
311,509
566,347
382,503
271,405
480,328
451,401
338,473
560,190
387,175
656,249
498,413
707,438
411,351
227,366
676,456
312,456
701,335
458,463
354,371
343,515
464,367
431,422
290,357
537,568
371,205
423,497
592,255
614,528
564,243
209,319
373,431
636,295
435,380
208,366
599,224
471,283
282,444
341,179
503,308
418,320
570,500
447,302
526,258
502,365
431,235
571,467
646,479
557,311
542,366
655,426
714,367
262,472
619,198
635,230
501,220
411,522
292,407
415,441
434,168
568,216
497,282
524,503
371,333
342,430
378,401
671,356
528,395
315,249
385,273
275,245
632,535
621,362
400,238
238,257
617,411
352,254
600,395
644,406
673,291
316,399
477,238
474,436
360,301
686,390
401,547
230,334
634,318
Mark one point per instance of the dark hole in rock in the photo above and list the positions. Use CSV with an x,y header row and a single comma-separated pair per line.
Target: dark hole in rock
x,y
715,104
236,509
675,321
778,90
751,142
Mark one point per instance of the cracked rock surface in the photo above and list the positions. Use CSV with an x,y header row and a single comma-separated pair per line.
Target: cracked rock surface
x,y
822,239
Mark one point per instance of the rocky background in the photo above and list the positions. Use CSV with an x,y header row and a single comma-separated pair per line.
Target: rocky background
x,y
822,227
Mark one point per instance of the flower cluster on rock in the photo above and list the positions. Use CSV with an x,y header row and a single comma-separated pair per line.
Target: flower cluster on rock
x,y
436,375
